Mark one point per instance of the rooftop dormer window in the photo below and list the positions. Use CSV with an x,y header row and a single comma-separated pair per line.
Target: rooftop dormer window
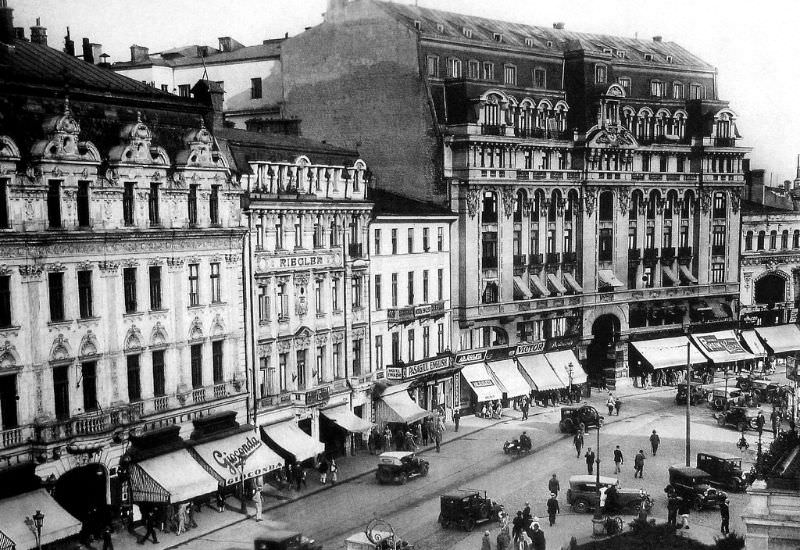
x,y
607,50
467,32
497,37
549,43
439,27
648,57
622,54
529,42
669,59
418,25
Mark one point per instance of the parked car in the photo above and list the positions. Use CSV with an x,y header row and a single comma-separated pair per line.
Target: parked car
x,y
468,508
583,494
742,418
694,485
699,394
285,540
724,469
746,383
719,397
399,467
571,418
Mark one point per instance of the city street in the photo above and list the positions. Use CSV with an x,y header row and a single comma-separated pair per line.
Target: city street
x,y
477,462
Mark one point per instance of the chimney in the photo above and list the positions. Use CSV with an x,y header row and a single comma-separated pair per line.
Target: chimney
x,y
657,38
212,94
104,61
69,45
92,52
19,33
225,44
39,33
139,53
559,26
7,33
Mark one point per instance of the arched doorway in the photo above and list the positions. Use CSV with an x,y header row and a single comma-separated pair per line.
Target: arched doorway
x,y
769,289
82,492
601,353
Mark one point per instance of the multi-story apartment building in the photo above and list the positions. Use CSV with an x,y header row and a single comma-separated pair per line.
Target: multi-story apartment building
x,y
409,245
596,178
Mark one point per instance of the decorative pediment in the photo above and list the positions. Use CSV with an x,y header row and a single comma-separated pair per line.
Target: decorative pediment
x,y
158,337
8,149
611,136
60,350
9,357
218,326
62,142
133,340
200,151
88,345
136,146
196,330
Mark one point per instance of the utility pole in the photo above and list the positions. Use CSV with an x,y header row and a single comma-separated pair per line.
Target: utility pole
x,y
688,402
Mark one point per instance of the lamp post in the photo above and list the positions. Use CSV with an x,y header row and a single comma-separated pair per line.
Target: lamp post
x,y
38,521
597,512
570,370
688,397
241,463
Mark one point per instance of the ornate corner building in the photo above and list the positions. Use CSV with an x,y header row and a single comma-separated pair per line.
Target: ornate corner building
x,y
598,176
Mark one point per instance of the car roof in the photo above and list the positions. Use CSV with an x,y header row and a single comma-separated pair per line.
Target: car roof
x,y
722,455
592,479
396,454
689,471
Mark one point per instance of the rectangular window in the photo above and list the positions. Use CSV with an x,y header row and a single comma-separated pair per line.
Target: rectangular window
x,y
426,241
255,88
410,335
625,83
600,73
192,204
426,342
510,75
395,348
666,237
394,289
213,205
89,385
134,378
55,282
410,288
283,303
82,200
677,90
680,163
159,379
662,163
377,292
216,361
216,288
551,241
356,285
410,240
155,287
488,70
568,240
534,248
127,203
454,68
473,69
606,245
300,368
539,78
4,219
650,237
263,303
440,344
645,162
279,233
335,295
632,237
54,205
696,91
183,90
394,241
337,361
440,284
357,357
282,359
683,237
440,239
298,231
5,300
379,352
433,66
320,366
194,284
196,362
377,242
61,392
318,304
129,289
657,88
425,286
85,294
152,205
717,273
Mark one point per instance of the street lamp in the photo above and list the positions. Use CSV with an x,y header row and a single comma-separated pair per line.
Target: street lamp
x,y
241,464
597,512
38,521
570,369
688,396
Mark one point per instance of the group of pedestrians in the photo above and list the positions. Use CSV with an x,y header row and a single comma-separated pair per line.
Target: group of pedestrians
x,y
613,404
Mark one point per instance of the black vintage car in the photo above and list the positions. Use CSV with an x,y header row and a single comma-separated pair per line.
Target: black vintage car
x,y
724,469
571,418
399,467
699,394
694,485
742,418
468,508
285,540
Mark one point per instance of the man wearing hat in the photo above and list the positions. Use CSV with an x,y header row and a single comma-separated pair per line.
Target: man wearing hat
x,y
552,508
725,514
486,543
537,536
526,514
553,485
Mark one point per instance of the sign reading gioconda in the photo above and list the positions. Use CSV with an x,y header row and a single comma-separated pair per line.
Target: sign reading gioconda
x,y
411,371
267,262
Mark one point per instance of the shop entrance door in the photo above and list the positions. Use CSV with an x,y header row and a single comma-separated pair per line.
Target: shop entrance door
x,y
83,492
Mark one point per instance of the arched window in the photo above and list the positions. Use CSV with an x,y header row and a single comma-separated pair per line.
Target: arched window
x,y
686,207
491,111
636,200
796,239
606,209
489,210
519,205
552,210
572,205
760,241
748,241
773,240
652,205
536,206
785,239
672,198
490,293
719,205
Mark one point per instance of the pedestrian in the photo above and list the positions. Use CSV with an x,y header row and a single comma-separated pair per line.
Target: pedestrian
x,y
684,507
424,432
638,464
517,525
617,405
410,445
371,441
526,405
299,475
456,418
775,418
760,422
672,509
437,438
527,516
725,515
654,442
537,536
190,522
257,500
525,542
610,404
387,440
108,544
552,509
220,501
553,485
334,469
618,460
577,440
182,518
486,542
323,470
589,456
503,539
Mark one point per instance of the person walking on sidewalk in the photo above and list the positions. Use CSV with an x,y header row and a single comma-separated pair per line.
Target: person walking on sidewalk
x,y
387,440
257,500
589,456
334,469
150,527
323,470
553,485
775,419
456,418
672,509
577,440
617,405
552,508
725,515
638,464
610,404
618,460
655,441
486,541
437,438
182,518
537,537
760,421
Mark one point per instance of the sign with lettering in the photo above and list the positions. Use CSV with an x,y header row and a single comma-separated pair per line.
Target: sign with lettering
x,y
526,349
470,357
237,457
711,343
320,259
412,313
418,369
314,397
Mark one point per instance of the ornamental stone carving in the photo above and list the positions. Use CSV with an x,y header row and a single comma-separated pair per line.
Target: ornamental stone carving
x,y
158,337
196,330
284,346
133,340
508,201
175,264
8,355
108,268
136,148
736,200
705,199
337,337
217,326
624,198
30,272
88,345
60,350
473,201
321,338
62,143
264,350
589,200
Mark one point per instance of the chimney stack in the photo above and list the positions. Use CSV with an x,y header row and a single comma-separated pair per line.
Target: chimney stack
x,y
39,33
225,44
657,38
92,52
213,95
559,26
69,45
139,53
7,33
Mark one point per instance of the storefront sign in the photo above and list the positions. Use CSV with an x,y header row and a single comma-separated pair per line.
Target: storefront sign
x,y
236,459
526,349
412,313
561,342
712,343
482,383
470,357
313,397
394,373
411,371
267,263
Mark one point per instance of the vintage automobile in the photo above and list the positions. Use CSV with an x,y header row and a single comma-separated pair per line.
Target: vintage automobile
x,y
694,485
720,397
742,418
284,540
399,466
747,383
583,494
767,391
724,469
468,508
699,394
571,418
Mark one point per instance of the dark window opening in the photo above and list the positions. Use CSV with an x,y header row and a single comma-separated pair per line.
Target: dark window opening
x,y
54,205
83,204
55,283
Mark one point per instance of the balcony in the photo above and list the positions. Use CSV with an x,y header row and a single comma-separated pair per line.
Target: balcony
x,y
93,423
553,258
650,254
668,254
634,254
493,130
536,260
519,260
725,142
13,437
570,257
684,252
355,250
718,250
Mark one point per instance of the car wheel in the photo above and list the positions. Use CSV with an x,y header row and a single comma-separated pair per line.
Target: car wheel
x,y
404,479
721,420
719,403
741,426
469,525
565,426
581,506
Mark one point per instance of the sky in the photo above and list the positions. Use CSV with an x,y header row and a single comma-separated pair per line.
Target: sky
x,y
754,45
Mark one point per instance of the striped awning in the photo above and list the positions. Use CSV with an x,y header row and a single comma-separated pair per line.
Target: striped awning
x,y
521,288
555,284
538,286
171,477
570,279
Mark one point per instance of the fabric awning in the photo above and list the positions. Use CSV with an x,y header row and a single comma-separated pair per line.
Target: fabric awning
x,y
781,338
509,379
288,440
521,288
572,282
481,382
344,417
722,347
607,278
223,458
664,353
5,542
555,284
670,274
171,477
560,361
540,372
539,287
16,519
753,343
686,275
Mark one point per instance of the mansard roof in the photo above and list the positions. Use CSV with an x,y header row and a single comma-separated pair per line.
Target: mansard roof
x,y
191,55
515,35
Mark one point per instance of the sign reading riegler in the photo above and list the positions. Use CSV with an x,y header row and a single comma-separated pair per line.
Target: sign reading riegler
x,y
404,373
304,261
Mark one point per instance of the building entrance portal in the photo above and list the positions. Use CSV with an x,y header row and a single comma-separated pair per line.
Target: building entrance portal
x,y
601,353
83,493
